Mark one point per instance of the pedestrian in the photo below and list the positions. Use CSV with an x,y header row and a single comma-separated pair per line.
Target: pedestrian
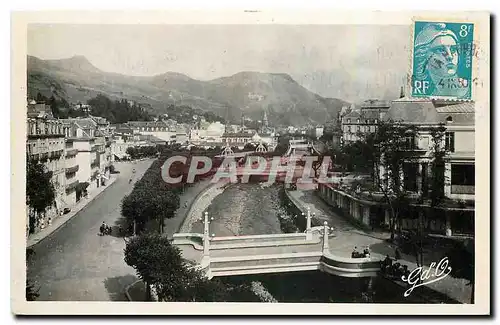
x,y
397,254
366,252
355,253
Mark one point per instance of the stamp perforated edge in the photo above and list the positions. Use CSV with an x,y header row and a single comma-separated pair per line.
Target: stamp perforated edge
x,y
474,68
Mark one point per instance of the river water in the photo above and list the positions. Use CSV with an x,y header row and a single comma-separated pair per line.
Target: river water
x,y
251,209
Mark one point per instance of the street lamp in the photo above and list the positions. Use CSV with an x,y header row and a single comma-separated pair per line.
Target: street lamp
x,y
308,224
206,236
325,236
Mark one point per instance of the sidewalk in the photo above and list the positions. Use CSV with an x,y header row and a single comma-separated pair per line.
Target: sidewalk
x,y
58,222
347,236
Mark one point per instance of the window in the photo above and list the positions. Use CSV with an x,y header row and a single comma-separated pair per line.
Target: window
x,y
349,129
410,172
462,174
449,138
410,142
376,121
357,121
348,121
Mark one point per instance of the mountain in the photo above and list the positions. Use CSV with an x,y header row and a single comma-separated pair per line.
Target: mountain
x,y
245,93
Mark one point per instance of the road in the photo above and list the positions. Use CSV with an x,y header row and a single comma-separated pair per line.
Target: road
x,y
74,263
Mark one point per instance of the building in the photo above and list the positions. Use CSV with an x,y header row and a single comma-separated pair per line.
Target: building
x,y
167,130
239,139
458,119
456,213
208,133
92,138
363,121
45,143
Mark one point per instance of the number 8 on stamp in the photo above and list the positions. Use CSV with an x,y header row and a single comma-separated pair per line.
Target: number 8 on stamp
x,y
442,60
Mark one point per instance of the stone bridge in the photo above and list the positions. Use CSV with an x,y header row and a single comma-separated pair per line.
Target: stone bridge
x,y
275,253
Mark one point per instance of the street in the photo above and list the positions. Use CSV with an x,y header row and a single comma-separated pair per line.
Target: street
x,y
75,263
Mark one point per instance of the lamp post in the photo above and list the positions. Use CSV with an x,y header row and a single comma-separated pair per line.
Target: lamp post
x,y
308,224
325,236
206,235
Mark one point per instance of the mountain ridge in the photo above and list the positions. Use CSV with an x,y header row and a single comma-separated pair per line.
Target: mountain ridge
x,y
246,93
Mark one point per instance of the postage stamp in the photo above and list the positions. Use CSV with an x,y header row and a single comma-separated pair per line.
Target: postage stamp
x,y
442,60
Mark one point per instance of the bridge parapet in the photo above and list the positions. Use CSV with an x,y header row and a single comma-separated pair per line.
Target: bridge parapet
x,y
349,267
254,254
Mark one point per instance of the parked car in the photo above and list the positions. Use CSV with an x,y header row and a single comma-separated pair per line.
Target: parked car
x,y
66,210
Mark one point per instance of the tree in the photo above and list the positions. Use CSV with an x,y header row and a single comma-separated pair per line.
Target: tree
x,y
40,192
438,154
393,145
151,200
31,291
160,265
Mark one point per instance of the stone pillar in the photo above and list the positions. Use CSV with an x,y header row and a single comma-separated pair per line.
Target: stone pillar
x,y
366,215
447,179
206,236
419,179
308,225
387,220
325,236
448,223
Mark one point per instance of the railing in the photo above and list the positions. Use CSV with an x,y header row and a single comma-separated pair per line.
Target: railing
x,y
72,170
71,153
72,185
56,154
462,189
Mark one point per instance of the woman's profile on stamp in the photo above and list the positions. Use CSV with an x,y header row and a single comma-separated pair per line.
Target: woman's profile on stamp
x,y
436,62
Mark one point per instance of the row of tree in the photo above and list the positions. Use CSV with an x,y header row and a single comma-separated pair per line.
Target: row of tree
x,y
60,107
142,152
185,114
118,111
157,262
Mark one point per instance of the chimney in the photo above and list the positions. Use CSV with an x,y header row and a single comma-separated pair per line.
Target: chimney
x,y
402,92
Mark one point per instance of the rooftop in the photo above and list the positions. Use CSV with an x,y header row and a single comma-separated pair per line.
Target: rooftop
x,y
426,112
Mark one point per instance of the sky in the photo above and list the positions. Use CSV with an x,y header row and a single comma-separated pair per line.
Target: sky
x,y
351,62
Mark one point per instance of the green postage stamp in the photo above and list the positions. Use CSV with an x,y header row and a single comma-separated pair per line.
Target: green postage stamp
x,y
442,60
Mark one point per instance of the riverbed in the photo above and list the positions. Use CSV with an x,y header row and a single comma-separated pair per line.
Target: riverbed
x,y
243,209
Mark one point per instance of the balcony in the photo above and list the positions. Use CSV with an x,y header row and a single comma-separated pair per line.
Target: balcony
x,y
462,189
71,153
72,170
71,186
56,154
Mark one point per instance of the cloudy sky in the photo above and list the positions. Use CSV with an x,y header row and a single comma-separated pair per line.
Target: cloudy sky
x,y
343,61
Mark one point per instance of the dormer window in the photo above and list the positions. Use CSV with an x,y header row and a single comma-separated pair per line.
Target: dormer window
x,y
348,121
449,119
357,120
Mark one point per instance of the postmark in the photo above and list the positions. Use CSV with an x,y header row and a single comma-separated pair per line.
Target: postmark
x,y
442,60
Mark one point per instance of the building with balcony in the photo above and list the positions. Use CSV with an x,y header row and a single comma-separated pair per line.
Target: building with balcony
x,y
71,169
363,121
45,143
455,215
